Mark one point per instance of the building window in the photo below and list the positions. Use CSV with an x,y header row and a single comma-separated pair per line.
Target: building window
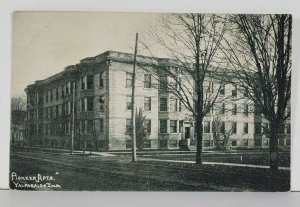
x,y
163,143
222,127
90,104
90,126
57,111
90,82
257,142
257,128
266,142
246,92
206,143
246,109
69,105
37,98
147,103
101,80
178,70
233,127
179,106
148,126
128,126
128,144
245,143
173,104
173,143
163,126
54,110
177,83
222,89
128,79
147,81
101,126
163,82
206,127
128,102
67,128
63,111
173,126
101,102
163,104
83,104
281,129
147,144
234,91
234,109
288,128
83,83
265,128
83,127
67,87
57,96
62,92
46,113
50,112
46,129
210,87
281,142
257,111
245,128
288,111
233,143
51,96
222,108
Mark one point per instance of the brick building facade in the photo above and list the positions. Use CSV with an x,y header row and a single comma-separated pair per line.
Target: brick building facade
x,y
102,109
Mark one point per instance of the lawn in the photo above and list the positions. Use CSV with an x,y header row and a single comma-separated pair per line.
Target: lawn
x,y
77,172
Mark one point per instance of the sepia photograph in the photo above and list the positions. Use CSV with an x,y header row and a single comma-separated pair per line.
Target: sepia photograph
x,y
120,101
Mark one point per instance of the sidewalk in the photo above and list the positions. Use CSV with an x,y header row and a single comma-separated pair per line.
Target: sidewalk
x,y
216,163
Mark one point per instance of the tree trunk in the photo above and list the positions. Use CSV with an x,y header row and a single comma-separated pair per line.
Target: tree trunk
x,y
274,128
199,131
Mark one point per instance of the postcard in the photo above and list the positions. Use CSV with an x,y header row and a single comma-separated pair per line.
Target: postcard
x,y
108,101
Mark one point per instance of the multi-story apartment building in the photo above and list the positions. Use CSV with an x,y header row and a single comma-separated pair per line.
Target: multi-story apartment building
x,y
100,90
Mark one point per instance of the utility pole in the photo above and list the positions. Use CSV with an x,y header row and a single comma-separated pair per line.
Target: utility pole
x,y
133,103
73,119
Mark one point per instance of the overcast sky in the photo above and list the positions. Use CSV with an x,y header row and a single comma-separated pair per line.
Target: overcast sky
x,y
46,42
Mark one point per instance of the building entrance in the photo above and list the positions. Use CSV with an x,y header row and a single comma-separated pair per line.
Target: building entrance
x,y
187,132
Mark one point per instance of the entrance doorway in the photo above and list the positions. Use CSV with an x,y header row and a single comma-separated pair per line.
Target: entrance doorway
x,y
187,133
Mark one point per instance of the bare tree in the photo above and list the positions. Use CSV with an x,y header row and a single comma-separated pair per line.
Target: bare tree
x,y
259,49
18,115
18,103
195,77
